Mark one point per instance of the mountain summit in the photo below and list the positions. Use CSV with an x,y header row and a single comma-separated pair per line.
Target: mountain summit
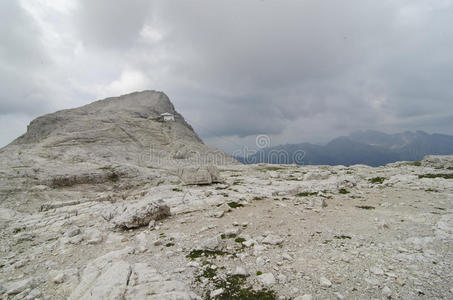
x,y
135,135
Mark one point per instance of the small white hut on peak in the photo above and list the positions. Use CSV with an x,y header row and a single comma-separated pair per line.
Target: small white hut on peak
x,y
166,117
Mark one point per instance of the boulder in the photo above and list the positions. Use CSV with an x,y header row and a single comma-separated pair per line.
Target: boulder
x,y
139,214
199,175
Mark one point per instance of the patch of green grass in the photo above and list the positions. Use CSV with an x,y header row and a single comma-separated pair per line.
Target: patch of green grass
x,y
344,191
234,204
258,273
237,182
445,176
205,253
240,240
234,288
227,236
176,190
257,198
367,207
306,194
431,190
209,272
169,245
377,180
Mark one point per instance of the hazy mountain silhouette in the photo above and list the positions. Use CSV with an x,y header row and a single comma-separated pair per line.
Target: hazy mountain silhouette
x,y
362,147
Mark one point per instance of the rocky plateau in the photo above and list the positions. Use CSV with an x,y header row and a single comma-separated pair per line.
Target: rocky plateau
x,y
108,201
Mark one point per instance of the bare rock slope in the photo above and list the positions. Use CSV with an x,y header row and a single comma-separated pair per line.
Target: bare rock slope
x,y
116,140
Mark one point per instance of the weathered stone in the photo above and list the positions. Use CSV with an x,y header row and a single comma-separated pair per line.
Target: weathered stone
x,y
324,282
140,214
272,239
266,279
199,175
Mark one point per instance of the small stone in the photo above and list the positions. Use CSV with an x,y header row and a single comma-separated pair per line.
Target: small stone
x,y
73,232
400,281
152,225
232,232
273,174
286,256
76,240
258,249
260,261
19,264
272,239
386,292
240,271
58,279
372,281
216,293
339,296
377,271
193,264
219,214
211,244
20,286
281,278
248,243
324,282
304,297
267,279
34,294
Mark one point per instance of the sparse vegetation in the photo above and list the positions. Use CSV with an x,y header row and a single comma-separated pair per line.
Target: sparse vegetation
x,y
377,180
306,194
239,240
367,207
176,190
342,237
445,176
234,288
273,168
414,163
344,191
206,253
234,204
257,198
227,236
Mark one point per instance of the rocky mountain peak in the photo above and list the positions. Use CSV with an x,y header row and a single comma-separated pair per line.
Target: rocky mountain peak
x,y
101,114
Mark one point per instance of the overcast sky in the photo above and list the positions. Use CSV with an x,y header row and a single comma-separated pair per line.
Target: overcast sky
x,y
293,69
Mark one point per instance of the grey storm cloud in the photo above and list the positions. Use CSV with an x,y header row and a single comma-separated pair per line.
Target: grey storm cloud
x,y
295,70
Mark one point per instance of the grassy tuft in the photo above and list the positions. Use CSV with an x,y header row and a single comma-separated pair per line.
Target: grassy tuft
x,y
377,180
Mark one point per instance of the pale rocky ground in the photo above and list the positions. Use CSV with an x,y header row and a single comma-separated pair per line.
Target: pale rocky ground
x,y
84,216
321,245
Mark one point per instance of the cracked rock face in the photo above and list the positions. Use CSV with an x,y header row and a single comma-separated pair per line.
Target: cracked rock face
x,y
139,214
71,229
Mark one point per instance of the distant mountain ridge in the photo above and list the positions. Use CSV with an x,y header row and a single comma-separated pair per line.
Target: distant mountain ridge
x,y
369,147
